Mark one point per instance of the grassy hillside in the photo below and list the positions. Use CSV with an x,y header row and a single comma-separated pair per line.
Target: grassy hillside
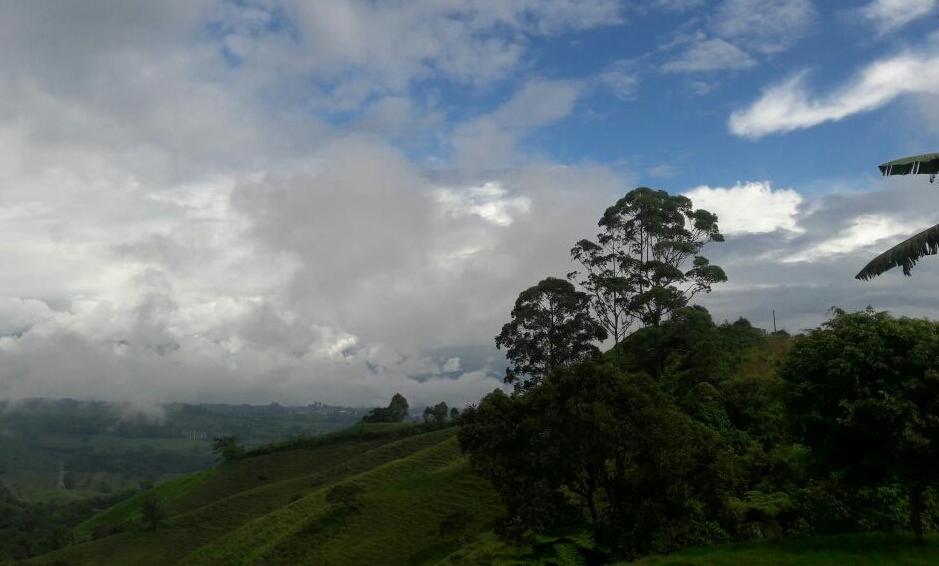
x,y
271,507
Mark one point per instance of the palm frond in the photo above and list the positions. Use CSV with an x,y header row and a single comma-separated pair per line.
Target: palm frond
x,y
905,254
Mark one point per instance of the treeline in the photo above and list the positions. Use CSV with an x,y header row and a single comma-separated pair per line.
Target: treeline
x,y
688,433
397,411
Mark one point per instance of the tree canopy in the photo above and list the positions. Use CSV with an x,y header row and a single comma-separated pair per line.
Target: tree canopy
x,y
864,390
633,461
646,262
551,328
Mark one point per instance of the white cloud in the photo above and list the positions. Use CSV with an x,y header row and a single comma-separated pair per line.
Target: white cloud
x,y
181,226
19,315
489,201
710,55
891,15
789,106
358,49
764,26
620,79
753,207
489,142
676,5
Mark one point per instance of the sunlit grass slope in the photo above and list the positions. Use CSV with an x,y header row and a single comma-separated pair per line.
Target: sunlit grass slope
x,y
271,507
401,508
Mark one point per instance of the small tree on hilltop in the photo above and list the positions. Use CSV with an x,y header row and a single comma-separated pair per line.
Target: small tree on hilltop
x,y
398,407
395,412
437,415
865,397
551,328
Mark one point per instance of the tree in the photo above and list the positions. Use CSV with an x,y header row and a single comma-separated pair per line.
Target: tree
x,y
437,415
454,414
551,328
646,262
865,397
395,412
227,449
398,407
593,443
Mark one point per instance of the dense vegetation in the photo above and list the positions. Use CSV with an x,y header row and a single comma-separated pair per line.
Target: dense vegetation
x,y
666,442
28,529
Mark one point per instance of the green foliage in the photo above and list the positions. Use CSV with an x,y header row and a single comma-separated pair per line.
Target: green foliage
x,y
438,415
864,390
640,471
551,328
395,412
28,529
904,255
638,269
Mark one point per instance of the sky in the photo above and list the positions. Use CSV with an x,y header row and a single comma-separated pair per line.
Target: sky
x,y
288,201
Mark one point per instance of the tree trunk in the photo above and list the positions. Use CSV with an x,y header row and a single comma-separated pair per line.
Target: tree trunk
x,y
916,512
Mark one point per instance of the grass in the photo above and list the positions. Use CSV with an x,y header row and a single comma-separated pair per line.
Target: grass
x,y
207,509
869,549
129,510
409,495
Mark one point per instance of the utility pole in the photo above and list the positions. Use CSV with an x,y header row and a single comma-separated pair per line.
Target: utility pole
x,y
774,321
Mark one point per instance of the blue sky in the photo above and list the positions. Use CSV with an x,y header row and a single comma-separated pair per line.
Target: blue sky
x,y
668,121
280,200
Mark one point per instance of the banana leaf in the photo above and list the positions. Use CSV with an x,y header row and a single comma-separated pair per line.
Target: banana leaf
x,y
905,254
926,164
